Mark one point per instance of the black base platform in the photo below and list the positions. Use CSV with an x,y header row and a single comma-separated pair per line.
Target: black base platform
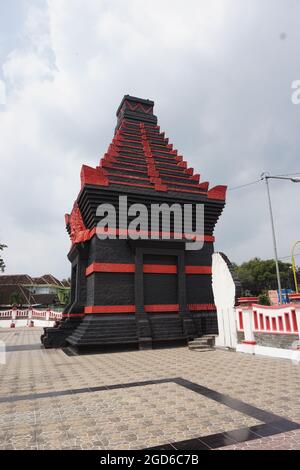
x,y
115,331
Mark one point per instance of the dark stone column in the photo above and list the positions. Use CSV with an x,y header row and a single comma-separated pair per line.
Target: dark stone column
x,y
142,320
187,319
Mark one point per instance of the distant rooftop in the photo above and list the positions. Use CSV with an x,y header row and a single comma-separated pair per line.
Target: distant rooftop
x,y
25,290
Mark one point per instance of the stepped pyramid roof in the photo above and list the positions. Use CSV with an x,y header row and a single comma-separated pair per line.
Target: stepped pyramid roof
x,y
141,158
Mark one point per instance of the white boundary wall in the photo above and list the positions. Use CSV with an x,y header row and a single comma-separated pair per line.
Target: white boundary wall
x,y
275,320
292,354
22,318
278,319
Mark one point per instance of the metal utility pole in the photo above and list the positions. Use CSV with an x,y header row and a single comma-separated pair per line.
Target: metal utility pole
x,y
274,242
266,177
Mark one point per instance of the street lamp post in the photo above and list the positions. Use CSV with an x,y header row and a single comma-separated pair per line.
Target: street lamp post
x,y
266,177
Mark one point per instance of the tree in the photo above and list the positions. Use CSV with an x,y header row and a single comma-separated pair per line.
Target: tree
x,y
263,299
16,298
259,275
2,264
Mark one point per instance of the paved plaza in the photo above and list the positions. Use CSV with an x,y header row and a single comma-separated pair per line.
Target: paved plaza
x,y
168,398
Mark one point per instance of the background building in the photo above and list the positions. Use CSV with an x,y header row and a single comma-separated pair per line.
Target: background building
x,y
23,290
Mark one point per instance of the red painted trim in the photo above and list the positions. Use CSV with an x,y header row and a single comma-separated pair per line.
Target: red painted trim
x,y
287,322
241,321
218,193
166,165
274,324
255,320
161,308
294,321
103,164
114,167
85,235
122,146
118,175
160,268
182,177
147,268
188,236
178,172
177,190
148,308
198,270
275,307
252,343
188,185
294,296
89,175
110,268
171,174
123,183
130,308
204,186
109,309
280,323
194,307
121,140
261,321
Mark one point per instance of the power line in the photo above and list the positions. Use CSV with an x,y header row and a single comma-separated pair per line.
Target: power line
x,y
289,174
258,181
244,185
289,257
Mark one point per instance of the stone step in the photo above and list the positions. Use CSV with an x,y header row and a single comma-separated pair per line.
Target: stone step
x,y
201,340
198,343
100,330
208,340
79,338
202,349
99,342
199,346
80,334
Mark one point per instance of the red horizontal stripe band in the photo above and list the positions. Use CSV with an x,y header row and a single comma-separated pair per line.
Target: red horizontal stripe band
x,y
148,308
118,175
114,167
110,309
179,236
162,308
160,268
123,183
147,268
193,307
110,268
198,270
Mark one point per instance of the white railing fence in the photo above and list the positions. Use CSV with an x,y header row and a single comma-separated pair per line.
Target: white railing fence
x,y
30,314
275,320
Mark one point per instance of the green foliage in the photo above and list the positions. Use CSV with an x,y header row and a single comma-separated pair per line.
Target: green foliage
x,y
259,275
16,298
263,299
2,264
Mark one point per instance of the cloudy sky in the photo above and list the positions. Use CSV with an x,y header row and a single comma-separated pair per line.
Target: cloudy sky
x,y
220,73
